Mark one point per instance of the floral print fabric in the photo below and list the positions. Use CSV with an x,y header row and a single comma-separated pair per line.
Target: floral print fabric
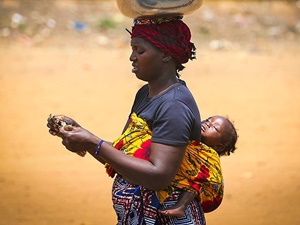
x,y
200,171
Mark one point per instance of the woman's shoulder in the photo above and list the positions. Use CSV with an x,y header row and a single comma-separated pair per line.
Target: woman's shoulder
x,y
183,94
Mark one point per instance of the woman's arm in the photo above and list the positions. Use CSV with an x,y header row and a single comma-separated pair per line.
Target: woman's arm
x,y
155,174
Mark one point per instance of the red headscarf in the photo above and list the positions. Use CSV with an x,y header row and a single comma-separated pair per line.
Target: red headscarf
x,y
169,35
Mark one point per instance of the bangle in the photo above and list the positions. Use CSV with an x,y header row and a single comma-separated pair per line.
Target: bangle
x,y
99,147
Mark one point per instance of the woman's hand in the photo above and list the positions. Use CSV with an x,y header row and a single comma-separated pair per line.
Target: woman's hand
x,y
55,122
78,139
74,137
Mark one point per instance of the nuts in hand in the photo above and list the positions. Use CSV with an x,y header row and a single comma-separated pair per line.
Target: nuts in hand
x,y
59,122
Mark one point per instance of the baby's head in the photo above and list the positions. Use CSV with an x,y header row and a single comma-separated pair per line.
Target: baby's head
x,y
220,134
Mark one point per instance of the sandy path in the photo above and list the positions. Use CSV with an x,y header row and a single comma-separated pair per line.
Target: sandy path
x,y
44,184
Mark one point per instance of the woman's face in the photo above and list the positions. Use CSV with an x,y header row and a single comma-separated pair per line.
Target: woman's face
x,y
146,59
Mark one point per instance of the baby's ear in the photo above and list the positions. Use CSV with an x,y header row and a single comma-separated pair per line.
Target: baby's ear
x,y
219,148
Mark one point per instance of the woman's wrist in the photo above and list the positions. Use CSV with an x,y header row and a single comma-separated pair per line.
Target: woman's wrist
x,y
93,144
99,147
93,147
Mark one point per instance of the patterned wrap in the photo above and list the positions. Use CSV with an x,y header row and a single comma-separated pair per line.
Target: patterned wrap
x,y
137,205
200,171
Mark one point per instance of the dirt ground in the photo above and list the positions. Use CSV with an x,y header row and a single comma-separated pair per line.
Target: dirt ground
x,y
257,84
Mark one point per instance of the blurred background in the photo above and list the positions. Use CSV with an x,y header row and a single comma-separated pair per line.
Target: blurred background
x,y
224,24
72,57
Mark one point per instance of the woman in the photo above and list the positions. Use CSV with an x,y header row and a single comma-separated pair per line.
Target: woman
x,y
159,48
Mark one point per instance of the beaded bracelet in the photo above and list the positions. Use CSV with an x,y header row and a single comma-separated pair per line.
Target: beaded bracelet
x,y
99,147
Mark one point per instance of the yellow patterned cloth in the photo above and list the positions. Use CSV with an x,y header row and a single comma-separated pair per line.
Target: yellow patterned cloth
x,y
200,171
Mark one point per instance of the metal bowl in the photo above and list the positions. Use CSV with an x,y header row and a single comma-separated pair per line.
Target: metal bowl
x,y
154,8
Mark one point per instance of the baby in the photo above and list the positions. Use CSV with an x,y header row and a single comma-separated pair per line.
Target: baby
x,y
218,133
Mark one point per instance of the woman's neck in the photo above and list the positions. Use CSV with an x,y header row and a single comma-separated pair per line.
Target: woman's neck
x,y
159,86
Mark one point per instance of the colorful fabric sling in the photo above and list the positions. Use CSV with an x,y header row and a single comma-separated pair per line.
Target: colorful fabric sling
x,y
200,171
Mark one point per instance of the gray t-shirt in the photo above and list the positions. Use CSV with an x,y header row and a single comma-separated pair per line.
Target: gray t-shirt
x,y
173,115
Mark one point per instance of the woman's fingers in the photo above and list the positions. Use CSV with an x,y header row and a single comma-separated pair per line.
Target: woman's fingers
x,y
52,132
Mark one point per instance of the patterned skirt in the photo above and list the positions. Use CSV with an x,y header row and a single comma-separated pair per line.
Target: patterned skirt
x,y
136,205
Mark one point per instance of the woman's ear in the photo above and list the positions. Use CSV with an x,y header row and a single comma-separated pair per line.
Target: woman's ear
x,y
166,58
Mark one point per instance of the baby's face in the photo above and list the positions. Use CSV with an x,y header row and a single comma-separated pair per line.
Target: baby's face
x,y
213,130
